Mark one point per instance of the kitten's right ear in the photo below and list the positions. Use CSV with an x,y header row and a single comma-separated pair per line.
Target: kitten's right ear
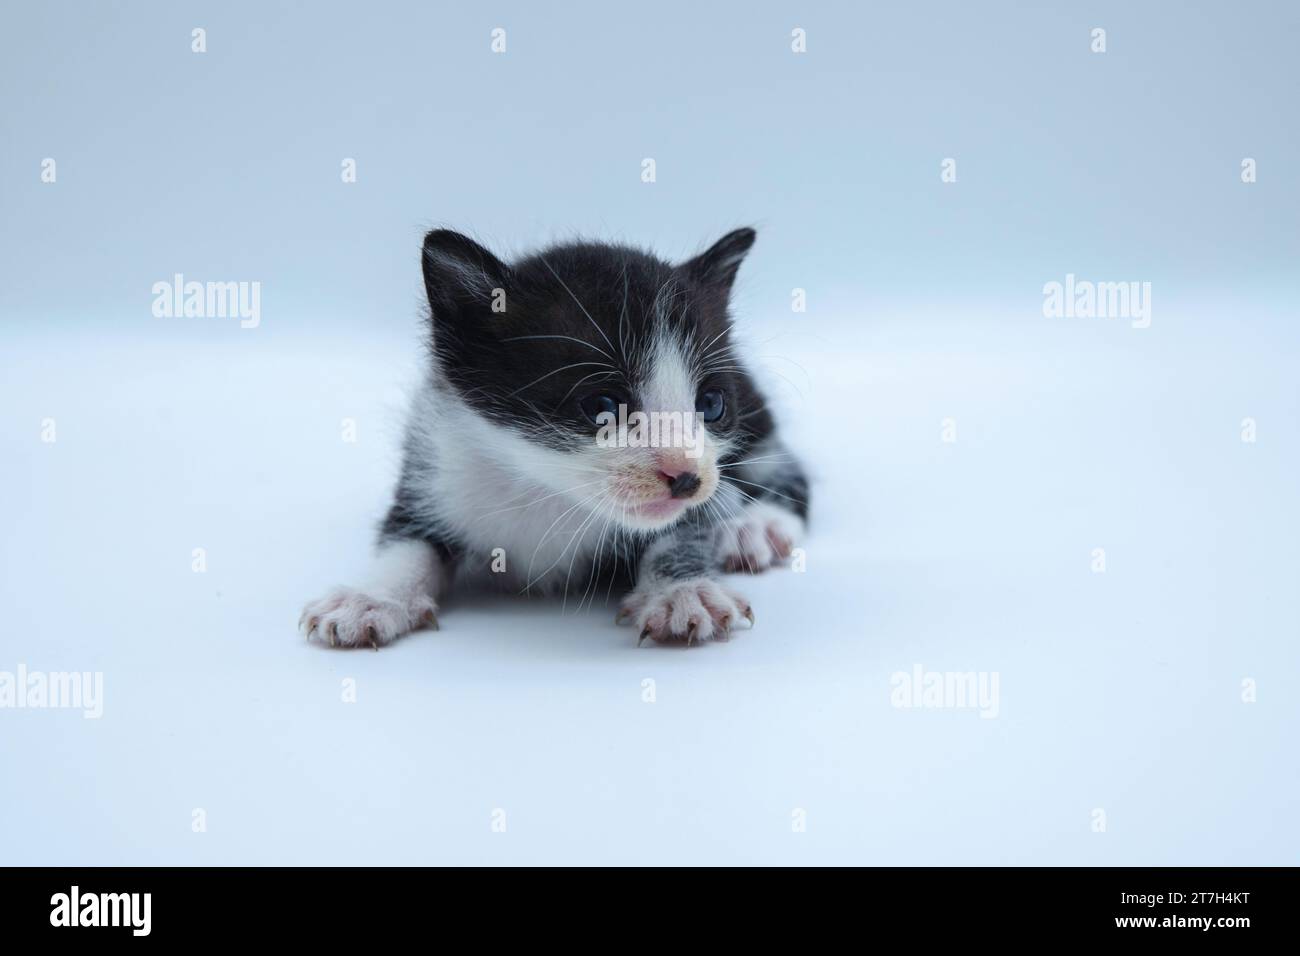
x,y
459,273
716,267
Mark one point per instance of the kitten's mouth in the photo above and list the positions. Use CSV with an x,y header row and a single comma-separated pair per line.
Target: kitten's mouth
x,y
640,506
660,508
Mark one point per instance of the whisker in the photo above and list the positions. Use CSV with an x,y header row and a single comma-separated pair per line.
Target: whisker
x,y
770,491
532,501
580,305
751,461
545,535
751,413
580,381
622,317
567,338
597,562
575,543
554,372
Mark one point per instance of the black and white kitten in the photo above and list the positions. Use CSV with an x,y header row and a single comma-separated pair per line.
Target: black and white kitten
x,y
505,479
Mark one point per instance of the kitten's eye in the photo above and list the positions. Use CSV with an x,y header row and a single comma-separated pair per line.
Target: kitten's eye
x,y
597,404
711,404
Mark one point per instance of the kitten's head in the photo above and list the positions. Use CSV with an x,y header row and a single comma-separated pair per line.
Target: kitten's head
x,y
610,375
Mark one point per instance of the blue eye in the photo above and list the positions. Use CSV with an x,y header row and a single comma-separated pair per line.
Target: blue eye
x,y
597,404
711,404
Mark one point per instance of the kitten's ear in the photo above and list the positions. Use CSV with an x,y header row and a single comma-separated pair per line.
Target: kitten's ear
x,y
716,267
459,273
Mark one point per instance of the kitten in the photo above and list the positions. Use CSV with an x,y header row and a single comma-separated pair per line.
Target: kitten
x,y
515,471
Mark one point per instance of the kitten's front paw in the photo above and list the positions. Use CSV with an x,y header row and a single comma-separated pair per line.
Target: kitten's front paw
x,y
349,618
698,609
762,536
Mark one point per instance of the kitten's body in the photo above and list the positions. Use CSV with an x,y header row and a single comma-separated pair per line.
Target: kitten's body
x,y
504,482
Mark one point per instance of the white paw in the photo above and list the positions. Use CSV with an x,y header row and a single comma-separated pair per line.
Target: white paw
x,y
698,609
762,536
349,618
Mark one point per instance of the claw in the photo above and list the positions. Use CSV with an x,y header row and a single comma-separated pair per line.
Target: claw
x,y
644,634
372,637
690,633
749,615
431,621
332,634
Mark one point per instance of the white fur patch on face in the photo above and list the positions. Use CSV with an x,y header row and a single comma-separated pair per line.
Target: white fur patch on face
x,y
639,476
668,385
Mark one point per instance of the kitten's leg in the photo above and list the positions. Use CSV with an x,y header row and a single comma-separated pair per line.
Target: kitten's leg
x,y
399,597
676,597
771,522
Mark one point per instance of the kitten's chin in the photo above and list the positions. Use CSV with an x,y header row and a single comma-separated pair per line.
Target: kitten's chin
x,y
652,515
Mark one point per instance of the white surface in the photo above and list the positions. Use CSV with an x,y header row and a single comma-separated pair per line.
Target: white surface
x,y
1118,691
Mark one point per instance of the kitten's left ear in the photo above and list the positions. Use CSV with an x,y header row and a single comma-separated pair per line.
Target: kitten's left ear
x,y
716,267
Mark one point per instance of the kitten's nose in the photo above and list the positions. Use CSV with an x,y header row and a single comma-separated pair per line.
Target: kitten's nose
x,y
682,484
